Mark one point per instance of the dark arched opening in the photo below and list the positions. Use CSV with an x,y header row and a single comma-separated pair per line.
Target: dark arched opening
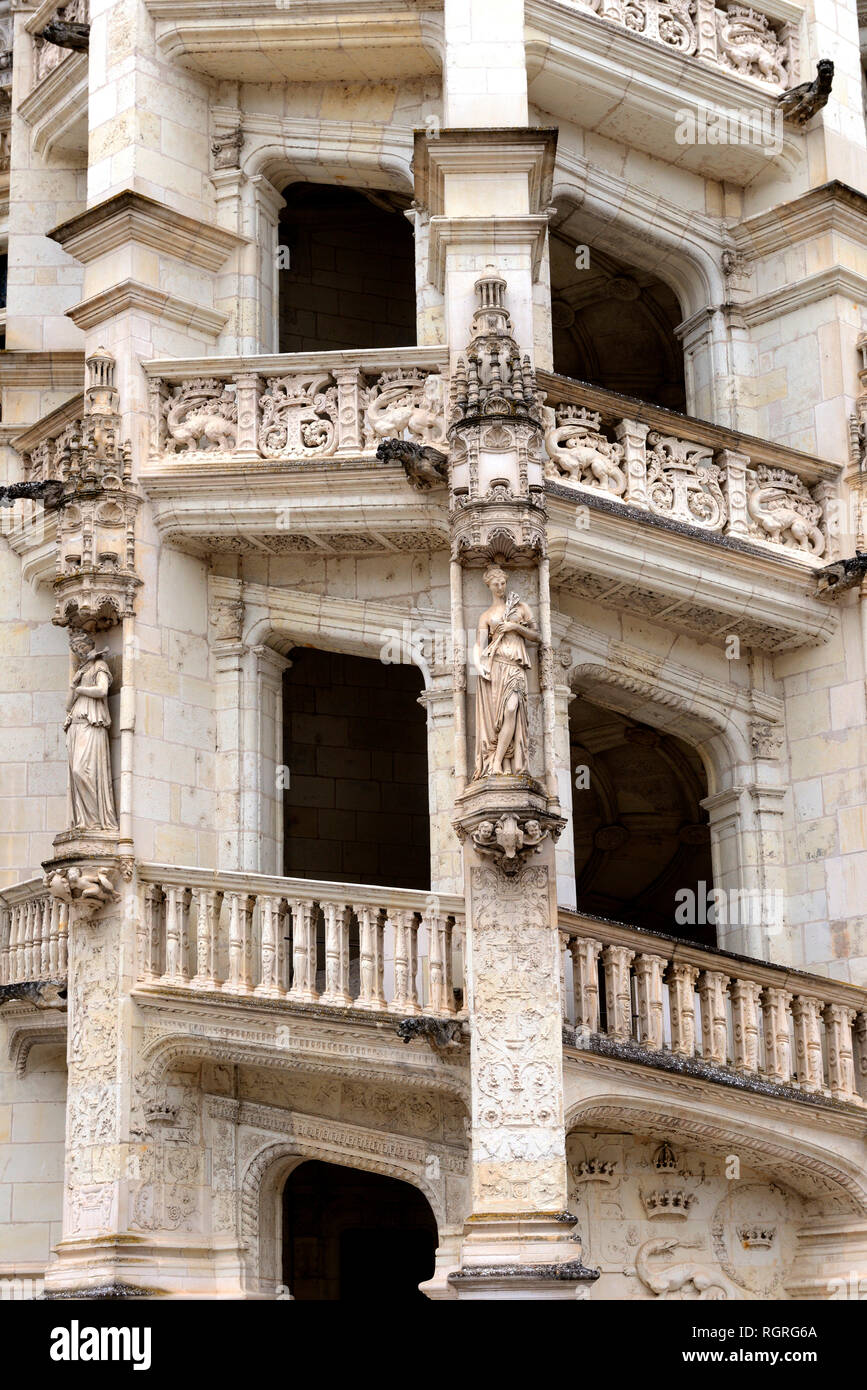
x,y
642,840
346,269
356,806
614,324
353,1236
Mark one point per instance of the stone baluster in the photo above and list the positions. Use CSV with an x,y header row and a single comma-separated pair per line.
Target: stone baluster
x,y
861,1055
735,465
247,396
714,1025
19,930
150,938
176,971
63,939
564,1003
208,902
371,925
270,947
28,971
54,937
681,999
440,950
348,410
810,1072
616,961
303,952
612,9
706,32
633,436
5,927
240,944
405,926
648,979
841,1069
745,998
585,982
157,393
776,1003
337,920
45,916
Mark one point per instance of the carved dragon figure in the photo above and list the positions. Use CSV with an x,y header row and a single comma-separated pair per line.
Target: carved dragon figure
x,y
800,104
784,516
575,447
49,492
745,42
198,413
408,406
710,1283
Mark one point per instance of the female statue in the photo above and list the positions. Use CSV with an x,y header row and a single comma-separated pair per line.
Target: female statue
x,y
91,800
502,724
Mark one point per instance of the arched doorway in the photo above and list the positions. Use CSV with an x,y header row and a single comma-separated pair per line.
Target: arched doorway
x,y
347,269
354,1236
642,839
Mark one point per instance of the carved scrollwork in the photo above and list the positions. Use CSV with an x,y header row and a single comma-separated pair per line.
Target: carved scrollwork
x,y
299,416
684,483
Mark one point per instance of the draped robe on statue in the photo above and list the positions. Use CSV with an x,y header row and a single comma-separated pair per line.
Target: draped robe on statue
x,y
506,656
91,800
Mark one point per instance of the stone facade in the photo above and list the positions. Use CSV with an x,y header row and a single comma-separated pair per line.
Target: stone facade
x,y
207,981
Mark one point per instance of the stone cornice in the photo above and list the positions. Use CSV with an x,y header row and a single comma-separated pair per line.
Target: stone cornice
x,y
131,217
131,294
371,360
528,150
50,424
501,235
52,371
832,207
812,288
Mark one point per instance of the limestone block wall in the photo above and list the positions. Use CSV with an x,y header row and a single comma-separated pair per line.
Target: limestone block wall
x,y
32,1120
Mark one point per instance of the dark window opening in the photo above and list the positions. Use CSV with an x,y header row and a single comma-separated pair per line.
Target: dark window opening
x,y
642,841
350,277
352,1236
356,809
614,324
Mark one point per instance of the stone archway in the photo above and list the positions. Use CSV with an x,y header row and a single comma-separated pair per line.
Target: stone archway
x,y
350,1235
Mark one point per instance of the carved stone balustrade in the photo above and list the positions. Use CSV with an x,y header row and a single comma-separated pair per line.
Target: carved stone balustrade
x,y
688,472
719,1017
296,408
340,945
33,935
738,38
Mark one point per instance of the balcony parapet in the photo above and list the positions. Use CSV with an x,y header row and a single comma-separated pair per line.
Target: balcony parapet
x,y
34,929
341,945
689,472
296,408
740,39
721,1017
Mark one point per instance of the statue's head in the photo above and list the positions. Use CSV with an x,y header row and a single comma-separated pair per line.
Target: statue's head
x,y
81,643
496,580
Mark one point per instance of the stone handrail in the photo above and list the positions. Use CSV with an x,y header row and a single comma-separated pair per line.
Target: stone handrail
x,y
33,934
296,407
346,945
688,472
736,37
656,998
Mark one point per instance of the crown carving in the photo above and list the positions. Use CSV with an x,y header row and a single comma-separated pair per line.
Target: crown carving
x,y
668,1201
665,1159
578,415
756,1237
593,1170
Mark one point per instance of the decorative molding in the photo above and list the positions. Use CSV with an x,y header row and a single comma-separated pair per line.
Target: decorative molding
x,y
131,217
132,295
